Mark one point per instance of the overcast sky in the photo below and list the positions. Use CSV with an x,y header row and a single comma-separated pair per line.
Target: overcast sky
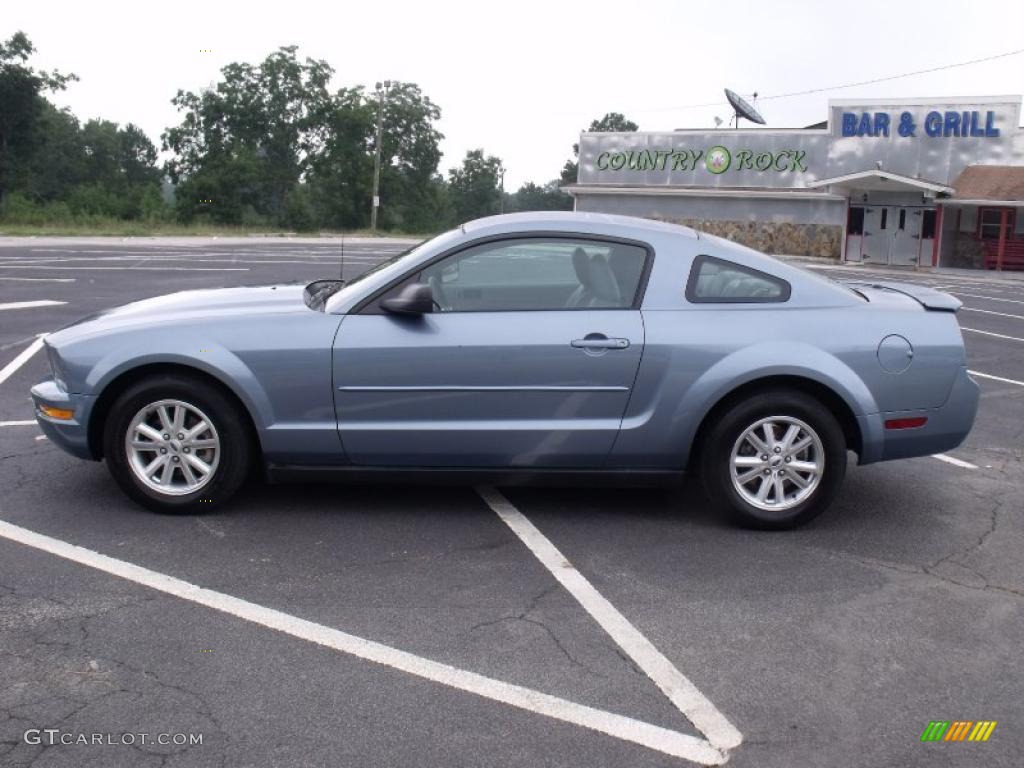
x,y
520,79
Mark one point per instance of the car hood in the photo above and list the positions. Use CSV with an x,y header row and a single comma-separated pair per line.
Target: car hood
x,y
207,304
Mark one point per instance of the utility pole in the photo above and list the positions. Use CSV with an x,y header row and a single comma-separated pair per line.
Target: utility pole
x,y
501,191
381,96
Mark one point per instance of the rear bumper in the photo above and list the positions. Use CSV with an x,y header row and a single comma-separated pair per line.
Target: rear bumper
x,y
947,426
71,435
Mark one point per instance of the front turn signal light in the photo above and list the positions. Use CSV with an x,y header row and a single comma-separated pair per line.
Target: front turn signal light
x,y
63,414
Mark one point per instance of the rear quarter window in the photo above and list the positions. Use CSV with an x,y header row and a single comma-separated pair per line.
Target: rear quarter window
x,y
717,281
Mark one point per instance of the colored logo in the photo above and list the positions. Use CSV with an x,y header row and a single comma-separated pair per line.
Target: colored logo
x,y
958,730
717,159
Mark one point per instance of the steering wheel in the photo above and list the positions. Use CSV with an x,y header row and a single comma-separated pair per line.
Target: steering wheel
x,y
440,299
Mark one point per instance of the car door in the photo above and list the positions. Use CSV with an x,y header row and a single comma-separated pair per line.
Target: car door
x,y
527,360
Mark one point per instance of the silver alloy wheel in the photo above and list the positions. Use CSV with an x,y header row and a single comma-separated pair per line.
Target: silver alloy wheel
x,y
777,463
173,447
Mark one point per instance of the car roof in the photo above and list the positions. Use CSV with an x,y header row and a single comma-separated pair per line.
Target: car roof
x,y
575,221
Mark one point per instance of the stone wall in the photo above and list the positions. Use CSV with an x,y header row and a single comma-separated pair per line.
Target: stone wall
x,y
967,253
822,240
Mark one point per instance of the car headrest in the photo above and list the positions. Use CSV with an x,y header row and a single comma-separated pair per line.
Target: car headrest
x,y
581,263
603,282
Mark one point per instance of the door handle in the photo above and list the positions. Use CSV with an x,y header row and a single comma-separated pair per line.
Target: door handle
x,y
600,343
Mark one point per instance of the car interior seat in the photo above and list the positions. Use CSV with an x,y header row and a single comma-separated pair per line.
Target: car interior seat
x,y
598,286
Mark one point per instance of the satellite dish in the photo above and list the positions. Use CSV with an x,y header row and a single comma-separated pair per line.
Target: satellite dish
x,y
743,108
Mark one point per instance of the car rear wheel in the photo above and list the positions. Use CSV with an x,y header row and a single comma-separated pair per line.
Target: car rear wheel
x,y
774,460
176,444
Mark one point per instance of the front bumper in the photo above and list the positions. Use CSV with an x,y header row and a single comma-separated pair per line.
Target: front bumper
x,y
947,426
71,435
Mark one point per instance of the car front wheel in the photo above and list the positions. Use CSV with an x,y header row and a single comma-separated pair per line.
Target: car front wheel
x,y
774,460
176,444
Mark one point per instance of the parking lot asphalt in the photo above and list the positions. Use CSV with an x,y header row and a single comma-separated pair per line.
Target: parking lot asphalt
x,y
832,645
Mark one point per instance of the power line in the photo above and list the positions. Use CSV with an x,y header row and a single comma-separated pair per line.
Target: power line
x,y
897,77
846,85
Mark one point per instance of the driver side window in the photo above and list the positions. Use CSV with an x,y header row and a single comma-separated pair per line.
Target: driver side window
x,y
537,274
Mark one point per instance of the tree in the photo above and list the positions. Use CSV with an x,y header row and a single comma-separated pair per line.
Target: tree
x,y
247,142
341,175
475,186
612,122
22,107
410,154
534,197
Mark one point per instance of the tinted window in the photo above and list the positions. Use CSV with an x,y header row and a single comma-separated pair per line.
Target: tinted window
x,y
537,274
928,225
715,280
855,221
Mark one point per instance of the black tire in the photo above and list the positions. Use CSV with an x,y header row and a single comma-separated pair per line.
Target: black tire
x,y
730,425
232,428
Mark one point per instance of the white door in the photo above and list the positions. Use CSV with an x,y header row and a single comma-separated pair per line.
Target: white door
x,y
906,236
877,235
892,235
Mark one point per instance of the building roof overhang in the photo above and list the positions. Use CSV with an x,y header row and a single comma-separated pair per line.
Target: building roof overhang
x,y
990,185
877,180
798,193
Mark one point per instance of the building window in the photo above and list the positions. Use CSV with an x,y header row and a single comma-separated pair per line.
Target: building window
x,y
990,220
855,221
968,218
714,281
885,218
903,218
928,225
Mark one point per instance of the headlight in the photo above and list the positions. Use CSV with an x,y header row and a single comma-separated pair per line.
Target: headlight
x,y
55,367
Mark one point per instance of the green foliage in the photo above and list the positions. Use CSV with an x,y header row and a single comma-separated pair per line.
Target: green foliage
x,y
475,186
298,209
247,142
612,122
52,168
341,176
267,146
535,197
21,108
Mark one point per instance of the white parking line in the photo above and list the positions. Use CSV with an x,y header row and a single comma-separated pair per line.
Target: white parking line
x,y
987,298
990,312
990,333
25,423
159,269
683,694
31,304
8,370
954,461
620,727
996,378
40,279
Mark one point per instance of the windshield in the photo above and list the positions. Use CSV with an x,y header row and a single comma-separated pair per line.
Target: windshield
x,y
383,270
386,263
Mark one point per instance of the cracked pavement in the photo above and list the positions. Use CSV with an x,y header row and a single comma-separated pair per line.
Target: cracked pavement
x,y
831,645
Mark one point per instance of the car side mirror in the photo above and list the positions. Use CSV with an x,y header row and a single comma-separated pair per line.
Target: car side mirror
x,y
414,299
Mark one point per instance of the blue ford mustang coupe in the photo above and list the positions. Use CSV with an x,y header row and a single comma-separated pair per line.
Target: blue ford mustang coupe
x,y
537,345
